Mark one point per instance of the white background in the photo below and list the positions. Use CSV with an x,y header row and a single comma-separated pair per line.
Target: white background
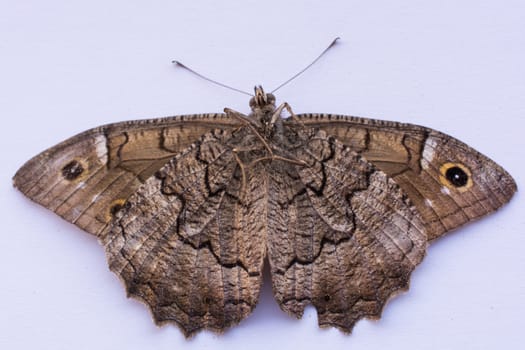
x,y
66,66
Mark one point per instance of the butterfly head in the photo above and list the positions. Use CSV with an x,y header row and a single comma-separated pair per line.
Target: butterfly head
x,y
261,101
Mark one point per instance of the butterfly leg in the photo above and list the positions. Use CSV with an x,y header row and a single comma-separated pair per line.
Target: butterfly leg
x,y
279,110
238,115
243,172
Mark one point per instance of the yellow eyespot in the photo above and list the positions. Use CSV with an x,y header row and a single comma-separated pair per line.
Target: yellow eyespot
x,y
114,208
455,176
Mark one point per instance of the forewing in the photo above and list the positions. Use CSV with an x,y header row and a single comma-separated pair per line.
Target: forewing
x,y
88,178
423,161
187,242
343,236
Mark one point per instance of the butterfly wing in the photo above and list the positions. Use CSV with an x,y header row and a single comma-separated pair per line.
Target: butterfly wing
x,y
87,178
342,235
449,182
187,242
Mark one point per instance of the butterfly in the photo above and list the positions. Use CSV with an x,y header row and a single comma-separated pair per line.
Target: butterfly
x,y
189,208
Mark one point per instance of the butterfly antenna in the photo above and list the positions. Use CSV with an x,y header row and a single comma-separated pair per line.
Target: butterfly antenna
x,y
177,63
308,66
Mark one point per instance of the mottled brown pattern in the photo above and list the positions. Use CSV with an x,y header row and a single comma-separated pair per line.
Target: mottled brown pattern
x,y
189,208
